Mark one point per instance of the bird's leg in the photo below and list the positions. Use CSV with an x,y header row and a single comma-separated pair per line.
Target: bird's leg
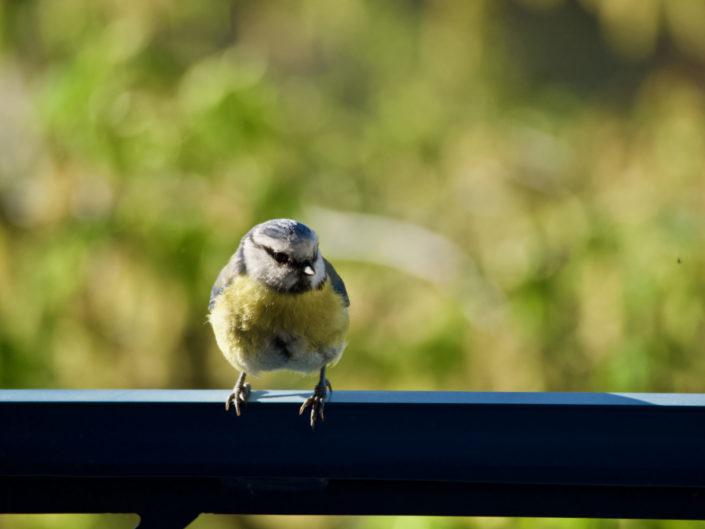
x,y
240,394
318,399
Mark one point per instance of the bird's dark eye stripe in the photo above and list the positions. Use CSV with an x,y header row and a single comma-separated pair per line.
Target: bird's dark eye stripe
x,y
282,257
279,257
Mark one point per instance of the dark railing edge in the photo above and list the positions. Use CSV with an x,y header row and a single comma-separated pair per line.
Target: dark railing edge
x,y
171,454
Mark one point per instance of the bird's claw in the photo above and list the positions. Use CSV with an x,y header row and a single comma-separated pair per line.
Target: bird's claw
x,y
240,394
317,401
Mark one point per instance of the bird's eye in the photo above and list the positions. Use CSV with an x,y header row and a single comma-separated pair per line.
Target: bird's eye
x,y
280,257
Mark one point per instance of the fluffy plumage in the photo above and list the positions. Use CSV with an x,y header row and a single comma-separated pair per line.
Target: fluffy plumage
x,y
278,304
260,329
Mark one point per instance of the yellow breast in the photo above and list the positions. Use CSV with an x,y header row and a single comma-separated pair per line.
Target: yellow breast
x,y
248,314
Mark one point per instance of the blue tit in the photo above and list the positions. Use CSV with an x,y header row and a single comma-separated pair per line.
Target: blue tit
x,y
278,304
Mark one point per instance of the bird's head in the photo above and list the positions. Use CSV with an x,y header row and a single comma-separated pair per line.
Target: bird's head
x,y
283,254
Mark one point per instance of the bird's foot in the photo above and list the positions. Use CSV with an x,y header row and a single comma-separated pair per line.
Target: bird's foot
x,y
317,401
240,394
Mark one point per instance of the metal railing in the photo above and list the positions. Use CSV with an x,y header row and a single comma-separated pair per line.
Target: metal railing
x,y
171,455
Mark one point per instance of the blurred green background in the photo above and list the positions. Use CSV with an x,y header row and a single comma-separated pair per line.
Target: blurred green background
x,y
512,190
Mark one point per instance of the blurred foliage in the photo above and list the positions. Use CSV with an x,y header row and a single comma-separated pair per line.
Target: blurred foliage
x,y
556,145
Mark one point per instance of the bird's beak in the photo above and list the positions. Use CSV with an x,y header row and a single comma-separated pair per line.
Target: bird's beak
x,y
308,270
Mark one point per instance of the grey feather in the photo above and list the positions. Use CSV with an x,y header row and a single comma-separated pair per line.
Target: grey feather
x,y
235,267
337,283
285,229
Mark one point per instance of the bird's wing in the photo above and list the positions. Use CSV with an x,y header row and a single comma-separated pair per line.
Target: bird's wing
x,y
235,267
337,283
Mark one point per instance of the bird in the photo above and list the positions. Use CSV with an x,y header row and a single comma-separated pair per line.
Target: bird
x,y
279,304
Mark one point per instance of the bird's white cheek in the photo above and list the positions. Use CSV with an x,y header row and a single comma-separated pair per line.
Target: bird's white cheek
x,y
260,267
320,272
